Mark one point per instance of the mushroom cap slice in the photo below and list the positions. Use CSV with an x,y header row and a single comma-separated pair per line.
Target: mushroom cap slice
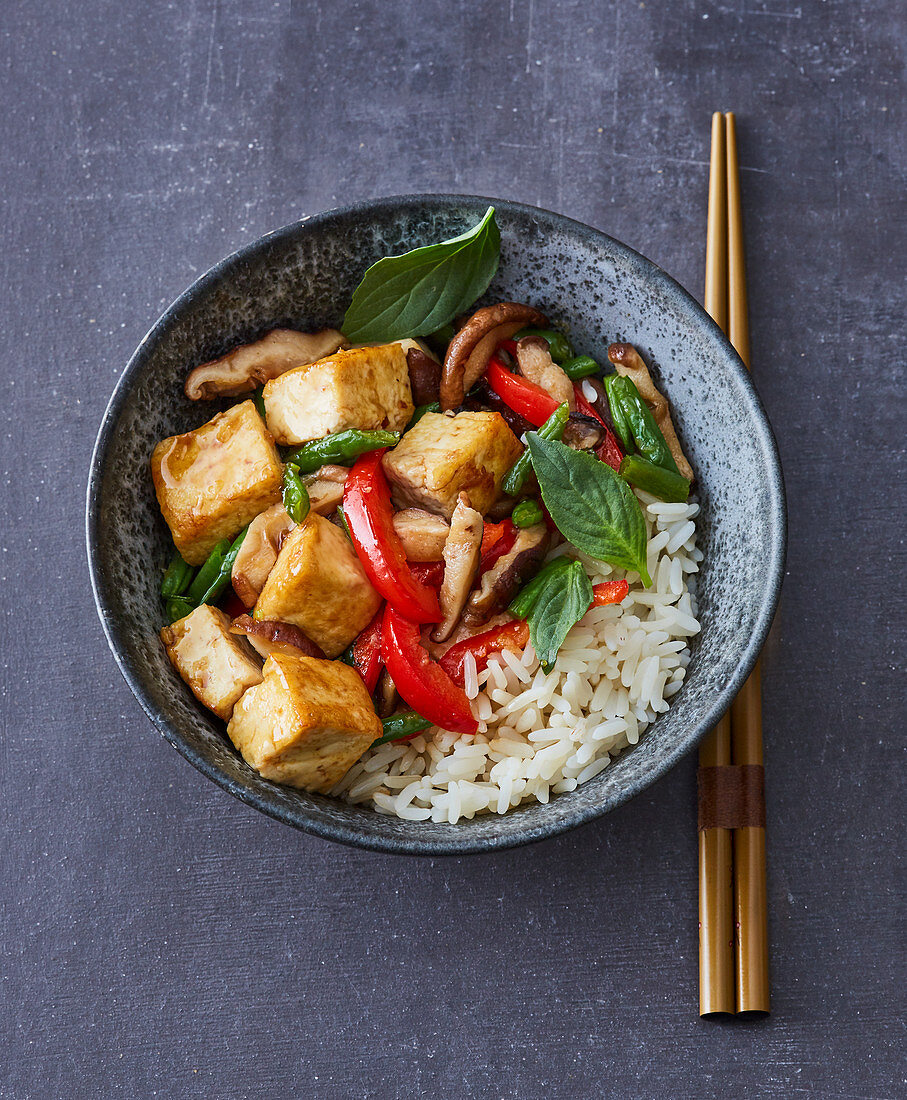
x,y
501,582
258,552
269,636
422,533
385,695
583,433
462,552
249,365
469,351
424,376
325,488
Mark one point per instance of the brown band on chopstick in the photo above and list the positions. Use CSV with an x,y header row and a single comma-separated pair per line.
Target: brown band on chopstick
x,y
732,796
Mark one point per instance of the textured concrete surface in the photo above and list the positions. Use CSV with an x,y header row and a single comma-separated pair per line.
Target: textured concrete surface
x,y
159,938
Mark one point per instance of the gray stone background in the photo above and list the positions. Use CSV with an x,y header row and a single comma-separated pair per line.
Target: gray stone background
x,y
159,938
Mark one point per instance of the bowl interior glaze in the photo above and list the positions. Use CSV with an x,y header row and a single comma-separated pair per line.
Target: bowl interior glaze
x,y
599,291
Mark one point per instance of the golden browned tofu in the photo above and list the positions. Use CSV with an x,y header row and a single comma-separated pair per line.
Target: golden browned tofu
x,y
319,585
362,388
212,481
306,723
217,665
443,456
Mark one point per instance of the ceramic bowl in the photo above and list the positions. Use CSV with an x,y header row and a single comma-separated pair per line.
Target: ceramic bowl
x,y
598,290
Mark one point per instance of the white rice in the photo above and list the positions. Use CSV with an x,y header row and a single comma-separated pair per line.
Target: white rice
x,y
543,734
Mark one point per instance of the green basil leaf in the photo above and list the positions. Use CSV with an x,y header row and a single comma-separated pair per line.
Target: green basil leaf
x,y
560,597
524,601
591,505
420,291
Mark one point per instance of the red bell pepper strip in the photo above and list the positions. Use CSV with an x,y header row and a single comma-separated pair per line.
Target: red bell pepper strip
x,y
491,533
428,572
367,652
509,346
421,681
523,396
497,539
609,592
608,451
370,516
513,635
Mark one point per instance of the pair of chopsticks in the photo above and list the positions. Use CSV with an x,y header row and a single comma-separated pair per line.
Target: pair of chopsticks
x,y
733,932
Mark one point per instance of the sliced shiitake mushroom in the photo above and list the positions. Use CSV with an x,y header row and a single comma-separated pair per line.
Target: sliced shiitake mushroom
x,y
501,583
469,351
258,552
245,367
385,695
461,560
583,433
271,636
325,488
422,533
424,376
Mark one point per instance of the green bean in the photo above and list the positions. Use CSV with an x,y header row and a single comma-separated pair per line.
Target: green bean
x,y
527,514
177,578
258,397
581,366
403,724
661,483
621,425
558,344
553,428
341,449
421,410
638,421
220,582
208,573
345,522
178,607
294,493
522,603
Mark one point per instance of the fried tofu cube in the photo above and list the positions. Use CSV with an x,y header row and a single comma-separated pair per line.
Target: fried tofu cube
x,y
212,481
217,665
363,388
319,585
443,456
306,723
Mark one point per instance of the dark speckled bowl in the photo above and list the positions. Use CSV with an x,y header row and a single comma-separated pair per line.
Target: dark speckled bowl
x,y
599,290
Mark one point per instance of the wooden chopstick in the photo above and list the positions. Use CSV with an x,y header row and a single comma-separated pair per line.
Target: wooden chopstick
x,y
750,894
733,968
716,898
716,903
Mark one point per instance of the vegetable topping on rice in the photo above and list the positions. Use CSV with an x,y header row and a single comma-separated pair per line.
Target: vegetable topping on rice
x,y
458,558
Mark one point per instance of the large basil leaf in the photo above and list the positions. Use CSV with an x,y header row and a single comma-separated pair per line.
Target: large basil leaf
x,y
590,504
418,292
551,603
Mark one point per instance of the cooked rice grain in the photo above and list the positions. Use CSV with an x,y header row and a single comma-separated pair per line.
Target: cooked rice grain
x,y
547,733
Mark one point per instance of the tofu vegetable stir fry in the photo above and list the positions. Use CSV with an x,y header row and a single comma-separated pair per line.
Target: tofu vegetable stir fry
x,y
386,520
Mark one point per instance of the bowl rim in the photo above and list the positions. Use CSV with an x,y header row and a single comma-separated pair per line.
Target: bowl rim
x,y
460,842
